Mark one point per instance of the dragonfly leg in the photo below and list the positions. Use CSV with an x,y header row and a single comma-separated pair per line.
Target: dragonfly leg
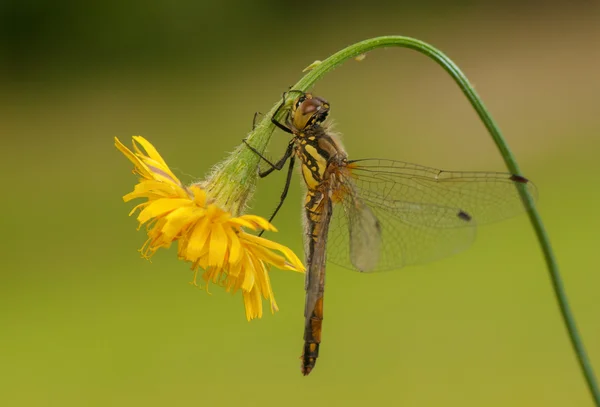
x,y
258,153
284,193
254,120
278,165
283,101
281,126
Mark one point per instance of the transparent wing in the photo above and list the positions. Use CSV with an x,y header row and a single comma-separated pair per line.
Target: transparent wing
x,y
389,214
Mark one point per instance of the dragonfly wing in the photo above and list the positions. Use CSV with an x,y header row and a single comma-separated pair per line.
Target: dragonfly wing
x,y
410,234
486,196
392,214
364,244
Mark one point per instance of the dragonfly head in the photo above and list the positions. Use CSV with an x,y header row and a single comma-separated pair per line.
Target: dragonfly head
x,y
308,111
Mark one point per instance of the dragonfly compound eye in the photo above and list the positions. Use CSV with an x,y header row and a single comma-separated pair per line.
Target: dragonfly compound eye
x,y
309,111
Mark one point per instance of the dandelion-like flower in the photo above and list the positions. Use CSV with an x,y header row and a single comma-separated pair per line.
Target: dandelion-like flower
x,y
208,236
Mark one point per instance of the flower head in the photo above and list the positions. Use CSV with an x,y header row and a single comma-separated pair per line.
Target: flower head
x,y
208,236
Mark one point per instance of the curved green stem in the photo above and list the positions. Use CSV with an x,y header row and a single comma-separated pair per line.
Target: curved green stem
x,y
405,42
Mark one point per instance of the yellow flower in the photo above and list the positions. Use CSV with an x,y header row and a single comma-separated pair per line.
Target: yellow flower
x,y
208,236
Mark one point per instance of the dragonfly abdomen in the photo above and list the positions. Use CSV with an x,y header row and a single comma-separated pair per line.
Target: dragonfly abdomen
x,y
316,216
312,337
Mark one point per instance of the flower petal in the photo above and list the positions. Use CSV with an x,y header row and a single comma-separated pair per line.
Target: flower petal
x,y
253,304
139,165
151,152
257,222
235,248
161,207
266,255
198,239
248,268
244,223
218,246
294,261
199,195
180,218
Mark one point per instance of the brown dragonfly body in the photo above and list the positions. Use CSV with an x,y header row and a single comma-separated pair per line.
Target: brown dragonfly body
x,y
377,214
322,158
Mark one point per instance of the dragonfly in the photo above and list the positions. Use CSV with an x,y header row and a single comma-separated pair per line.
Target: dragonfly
x,y
374,215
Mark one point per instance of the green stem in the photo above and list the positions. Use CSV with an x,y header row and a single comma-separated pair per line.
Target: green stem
x,y
405,42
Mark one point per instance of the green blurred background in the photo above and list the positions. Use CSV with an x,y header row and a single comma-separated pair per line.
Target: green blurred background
x,y
86,321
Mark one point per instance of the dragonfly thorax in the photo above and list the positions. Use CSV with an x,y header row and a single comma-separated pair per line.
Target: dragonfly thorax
x,y
320,153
